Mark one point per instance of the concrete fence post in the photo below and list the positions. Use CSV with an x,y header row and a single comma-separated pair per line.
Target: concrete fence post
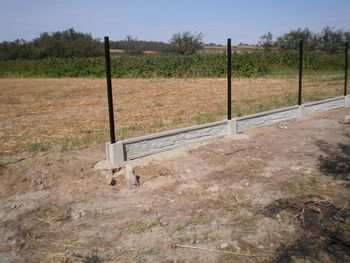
x,y
347,101
232,126
115,153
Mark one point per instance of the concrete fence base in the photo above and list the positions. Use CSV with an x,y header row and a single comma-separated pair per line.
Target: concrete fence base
x,y
121,151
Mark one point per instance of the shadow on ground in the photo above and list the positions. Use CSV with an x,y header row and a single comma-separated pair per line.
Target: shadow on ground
x,y
324,233
335,161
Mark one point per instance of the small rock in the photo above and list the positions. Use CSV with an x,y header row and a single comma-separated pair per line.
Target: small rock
x,y
345,120
110,178
195,241
15,206
339,218
77,214
213,188
116,170
295,168
224,245
13,242
131,179
283,127
236,246
308,171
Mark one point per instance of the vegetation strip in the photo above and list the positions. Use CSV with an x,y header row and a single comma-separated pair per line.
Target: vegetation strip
x,y
260,63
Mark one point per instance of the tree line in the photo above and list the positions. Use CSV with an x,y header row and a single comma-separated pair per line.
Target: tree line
x,y
134,46
329,39
183,43
70,43
60,44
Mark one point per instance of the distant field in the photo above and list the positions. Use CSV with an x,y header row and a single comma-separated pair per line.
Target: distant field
x,y
68,113
211,49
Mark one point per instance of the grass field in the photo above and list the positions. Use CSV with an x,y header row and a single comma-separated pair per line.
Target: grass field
x,y
36,114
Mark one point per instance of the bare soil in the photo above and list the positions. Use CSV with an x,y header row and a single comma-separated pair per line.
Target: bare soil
x,y
272,194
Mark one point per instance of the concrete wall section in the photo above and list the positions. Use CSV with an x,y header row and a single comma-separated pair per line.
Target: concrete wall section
x,y
146,145
267,117
323,105
142,146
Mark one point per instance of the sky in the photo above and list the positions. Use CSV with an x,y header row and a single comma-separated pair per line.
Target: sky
x,y
243,21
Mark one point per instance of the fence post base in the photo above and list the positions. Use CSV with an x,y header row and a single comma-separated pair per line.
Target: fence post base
x,y
347,101
115,153
232,126
301,111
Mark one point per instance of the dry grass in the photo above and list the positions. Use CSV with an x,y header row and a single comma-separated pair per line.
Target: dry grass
x,y
73,112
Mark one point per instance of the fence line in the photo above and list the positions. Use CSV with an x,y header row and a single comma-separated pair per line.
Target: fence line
x,y
120,151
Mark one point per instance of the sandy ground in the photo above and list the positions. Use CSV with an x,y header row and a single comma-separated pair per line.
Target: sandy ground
x,y
272,194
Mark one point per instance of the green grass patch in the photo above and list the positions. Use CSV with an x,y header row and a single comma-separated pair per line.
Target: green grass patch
x,y
36,146
158,104
269,103
179,228
125,132
178,121
203,118
87,138
157,124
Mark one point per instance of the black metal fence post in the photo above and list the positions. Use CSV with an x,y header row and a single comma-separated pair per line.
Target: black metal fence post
x,y
229,82
346,68
109,90
300,72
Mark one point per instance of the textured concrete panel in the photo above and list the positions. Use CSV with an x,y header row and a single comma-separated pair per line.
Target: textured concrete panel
x,y
146,145
142,146
323,105
266,118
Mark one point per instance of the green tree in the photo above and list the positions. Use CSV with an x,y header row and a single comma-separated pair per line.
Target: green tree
x,y
68,43
266,40
17,49
132,46
291,39
331,40
186,43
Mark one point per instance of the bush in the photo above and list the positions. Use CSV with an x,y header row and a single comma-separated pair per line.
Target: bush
x,y
186,43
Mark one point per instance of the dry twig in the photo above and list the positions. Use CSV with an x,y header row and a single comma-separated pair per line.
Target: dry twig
x,y
223,251
236,199
301,215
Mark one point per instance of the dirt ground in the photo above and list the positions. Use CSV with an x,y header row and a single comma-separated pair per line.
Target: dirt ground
x,y
272,194
44,113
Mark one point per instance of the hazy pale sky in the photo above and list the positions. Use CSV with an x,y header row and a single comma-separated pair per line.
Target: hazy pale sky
x,y
243,21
